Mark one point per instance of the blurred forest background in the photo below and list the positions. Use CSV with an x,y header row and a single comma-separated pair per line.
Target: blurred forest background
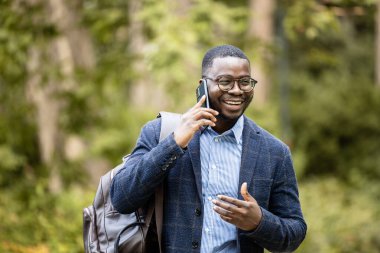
x,y
78,79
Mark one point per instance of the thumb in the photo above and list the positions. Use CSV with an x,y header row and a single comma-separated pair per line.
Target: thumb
x,y
244,192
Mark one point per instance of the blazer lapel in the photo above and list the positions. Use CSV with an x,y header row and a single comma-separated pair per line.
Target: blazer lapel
x,y
194,152
252,142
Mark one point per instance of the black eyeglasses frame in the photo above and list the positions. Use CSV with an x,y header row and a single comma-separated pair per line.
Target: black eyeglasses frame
x,y
253,82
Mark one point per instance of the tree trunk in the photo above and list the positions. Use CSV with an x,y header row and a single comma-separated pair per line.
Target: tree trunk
x,y
181,8
43,96
72,47
261,29
377,45
144,92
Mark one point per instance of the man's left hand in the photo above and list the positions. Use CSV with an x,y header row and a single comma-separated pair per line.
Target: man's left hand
x,y
244,214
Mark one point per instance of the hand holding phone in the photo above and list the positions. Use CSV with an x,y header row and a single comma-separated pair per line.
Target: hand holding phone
x,y
196,118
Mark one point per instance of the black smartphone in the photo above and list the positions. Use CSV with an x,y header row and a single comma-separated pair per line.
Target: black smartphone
x,y
202,90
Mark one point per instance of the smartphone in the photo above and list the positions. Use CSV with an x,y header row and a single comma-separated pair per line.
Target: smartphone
x,y
202,90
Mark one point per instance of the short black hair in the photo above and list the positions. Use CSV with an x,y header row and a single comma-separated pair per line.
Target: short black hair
x,y
220,52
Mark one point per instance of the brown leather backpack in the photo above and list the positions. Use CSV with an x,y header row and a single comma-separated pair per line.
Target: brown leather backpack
x,y
107,231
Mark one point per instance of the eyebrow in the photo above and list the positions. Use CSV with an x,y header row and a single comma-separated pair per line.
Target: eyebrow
x,y
219,76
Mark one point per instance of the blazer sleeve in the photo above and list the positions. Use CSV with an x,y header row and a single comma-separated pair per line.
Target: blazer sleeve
x,y
145,169
282,228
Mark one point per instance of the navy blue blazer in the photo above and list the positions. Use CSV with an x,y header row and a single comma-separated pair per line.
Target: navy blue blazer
x,y
266,166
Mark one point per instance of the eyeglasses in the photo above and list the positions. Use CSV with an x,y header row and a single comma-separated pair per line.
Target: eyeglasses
x,y
226,83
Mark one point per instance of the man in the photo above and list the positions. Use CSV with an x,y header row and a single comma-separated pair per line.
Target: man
x,y
229,185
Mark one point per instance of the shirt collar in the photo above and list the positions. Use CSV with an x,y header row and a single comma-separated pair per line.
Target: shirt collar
x,y
237,129
235,132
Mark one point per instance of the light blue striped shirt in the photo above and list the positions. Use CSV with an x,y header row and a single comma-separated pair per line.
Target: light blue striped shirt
x,y
220,162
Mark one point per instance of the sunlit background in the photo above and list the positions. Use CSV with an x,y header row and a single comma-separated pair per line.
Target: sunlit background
x,y
78,79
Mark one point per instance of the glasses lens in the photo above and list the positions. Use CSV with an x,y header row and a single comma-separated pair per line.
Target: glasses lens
x,y
245,84
226,83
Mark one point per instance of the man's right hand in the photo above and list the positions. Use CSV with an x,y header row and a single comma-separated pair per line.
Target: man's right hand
x,y
192,121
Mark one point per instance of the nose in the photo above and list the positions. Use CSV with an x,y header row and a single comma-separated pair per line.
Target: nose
x,y
236,89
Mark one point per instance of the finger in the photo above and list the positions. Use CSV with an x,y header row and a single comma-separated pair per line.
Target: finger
x,y
225,205
203,122
222,211
237,202
196,109
244,192
210,110
205,114
200,102
228,219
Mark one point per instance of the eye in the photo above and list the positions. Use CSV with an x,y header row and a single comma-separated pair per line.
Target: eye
x,y
225,81
245,81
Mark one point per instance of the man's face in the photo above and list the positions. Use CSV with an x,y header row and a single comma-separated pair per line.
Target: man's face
x,y
230,104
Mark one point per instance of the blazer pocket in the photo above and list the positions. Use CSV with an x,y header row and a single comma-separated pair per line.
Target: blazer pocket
x,y
261,191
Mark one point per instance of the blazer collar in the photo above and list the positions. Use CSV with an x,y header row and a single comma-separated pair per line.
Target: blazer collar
x,y
252,142
195,156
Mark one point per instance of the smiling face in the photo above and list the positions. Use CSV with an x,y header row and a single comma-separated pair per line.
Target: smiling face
x,y
230,104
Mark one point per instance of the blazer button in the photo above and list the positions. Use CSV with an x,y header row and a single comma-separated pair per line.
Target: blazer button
x,y
165,167
194,244
198,212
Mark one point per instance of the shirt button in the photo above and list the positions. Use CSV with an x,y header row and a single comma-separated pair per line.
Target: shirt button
x,y
209,198
198,212
216,139
194,244
207,230
213,167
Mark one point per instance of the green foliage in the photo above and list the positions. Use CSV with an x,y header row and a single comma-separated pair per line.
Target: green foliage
x,y
340,219
335,105
180,40
18,134
334,109
119,137
305,20
35,221
339,139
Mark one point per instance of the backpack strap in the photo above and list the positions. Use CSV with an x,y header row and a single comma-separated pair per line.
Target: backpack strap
x,y
169,122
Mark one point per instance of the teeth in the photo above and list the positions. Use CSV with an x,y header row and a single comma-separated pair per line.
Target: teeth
x,y
234,102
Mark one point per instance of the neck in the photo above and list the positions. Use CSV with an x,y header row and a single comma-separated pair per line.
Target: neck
x,y
224,124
